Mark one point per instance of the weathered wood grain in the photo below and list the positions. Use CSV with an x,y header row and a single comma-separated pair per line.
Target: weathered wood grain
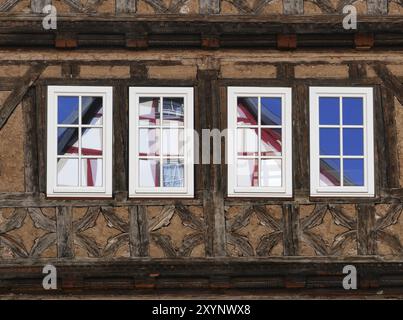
x,y
126,6
366,236
64,232
12,101
293,6
290,229
38,5
8,5
138,234
30,143
377,7
209,6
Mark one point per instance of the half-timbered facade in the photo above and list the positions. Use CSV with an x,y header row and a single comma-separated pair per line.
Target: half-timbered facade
x,y
199,230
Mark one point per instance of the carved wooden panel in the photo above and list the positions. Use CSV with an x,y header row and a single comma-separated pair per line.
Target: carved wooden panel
x,y
27,233
243,7
254,231
388,229
176,231
101,232
328,230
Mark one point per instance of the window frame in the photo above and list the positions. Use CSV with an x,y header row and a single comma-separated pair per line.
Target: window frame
x,y
52,190
368,190
286,191
135,191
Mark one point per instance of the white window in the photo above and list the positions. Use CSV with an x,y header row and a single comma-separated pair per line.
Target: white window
x,y
161,139
79,153
341,137
259,142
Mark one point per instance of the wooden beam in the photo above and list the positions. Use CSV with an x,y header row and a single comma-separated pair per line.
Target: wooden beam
x,y
390,81
8,5
293,6
126,6
15,97
209,6
377,7
366,237
65,246
30,144
38,5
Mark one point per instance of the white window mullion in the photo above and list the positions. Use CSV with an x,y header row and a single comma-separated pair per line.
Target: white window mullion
x,y
366,189
234,189
77,189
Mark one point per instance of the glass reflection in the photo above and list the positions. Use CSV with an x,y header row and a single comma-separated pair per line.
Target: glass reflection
x,y
149,173
270,142
92,111
173,142
149,142
353,111
329,111
271,173
330,172
247,173
91,174
67,110
67,172
247,142
329,141
67,141
271,111
247,111
173,173
353,172
353,142
149,111
173,111
91,144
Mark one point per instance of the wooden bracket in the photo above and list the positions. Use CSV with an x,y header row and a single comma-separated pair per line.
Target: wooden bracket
x,y
66,41
363,41
286,41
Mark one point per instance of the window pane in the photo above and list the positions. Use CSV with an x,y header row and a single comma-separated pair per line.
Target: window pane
x,y
270,142
353,142
149,142
149,173
353,172
92,110
329,111
67,141
173,173
174,111
172,142
271,173
352,111
91,173
330,172
149,111
247,111
271,111
247,173
67,110
67,172
329,141
91,144
247,142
